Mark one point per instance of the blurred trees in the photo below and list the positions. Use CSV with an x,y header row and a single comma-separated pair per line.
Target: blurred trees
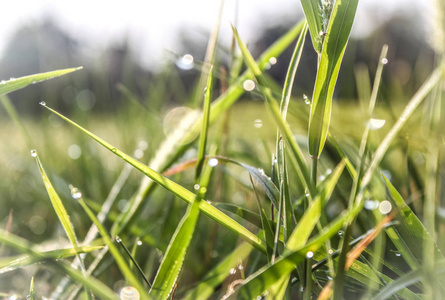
x,y
44,46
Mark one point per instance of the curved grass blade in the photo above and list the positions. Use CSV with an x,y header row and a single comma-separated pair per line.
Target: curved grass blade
x,y
334,46
416,230
57,203
18,83
93,284
173,259
407,280
216,276
311,9
11,263
262,280
176,189
120,261
171,264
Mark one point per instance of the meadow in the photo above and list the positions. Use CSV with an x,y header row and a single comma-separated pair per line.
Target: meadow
x,y
243,191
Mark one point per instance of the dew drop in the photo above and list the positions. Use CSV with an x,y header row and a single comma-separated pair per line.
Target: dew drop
x,y
328,171
385,207
258,123
376,124
240,267
384,60
232,271
310,254
139,243
306,99
129,293
340,233
397,253
329,277
209,202
43,103
12,79
213,162
118,239
321,177
249,85
371,204
331,251
75,193
196,187
143,145
34,153
202,190
114,150
3,82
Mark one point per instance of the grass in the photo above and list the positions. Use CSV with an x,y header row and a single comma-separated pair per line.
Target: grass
x,y
294,201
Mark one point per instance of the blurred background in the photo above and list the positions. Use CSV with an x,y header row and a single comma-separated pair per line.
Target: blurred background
x,y
140,60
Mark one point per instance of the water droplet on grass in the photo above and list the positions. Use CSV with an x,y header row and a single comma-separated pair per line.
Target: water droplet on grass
x,y
258,123
249,85
385,207
310,254
273,60
12,79
375,124
306,99
328,171
397,253
232,271
139,243
75,193
43,103
330,251
341,233
34,153
129,293
196,187
384,60
3,82
213,162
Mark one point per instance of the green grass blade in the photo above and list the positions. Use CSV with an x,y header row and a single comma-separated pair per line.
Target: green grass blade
x,y
120,261
216,276
11,263
332,54
173,259
407,280
57,203
175,189
93,284
205,125
18,83
261,281
32,291
311,9
416,230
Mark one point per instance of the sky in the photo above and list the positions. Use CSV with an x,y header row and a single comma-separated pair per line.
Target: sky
x,y
152,24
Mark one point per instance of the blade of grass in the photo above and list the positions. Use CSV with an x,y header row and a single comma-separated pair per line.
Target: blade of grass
x,y
311,9
120,261
261,280
205,125
17,83
216,276
93,284
334,46
12,263
173,259
175,189
32,291
407,280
